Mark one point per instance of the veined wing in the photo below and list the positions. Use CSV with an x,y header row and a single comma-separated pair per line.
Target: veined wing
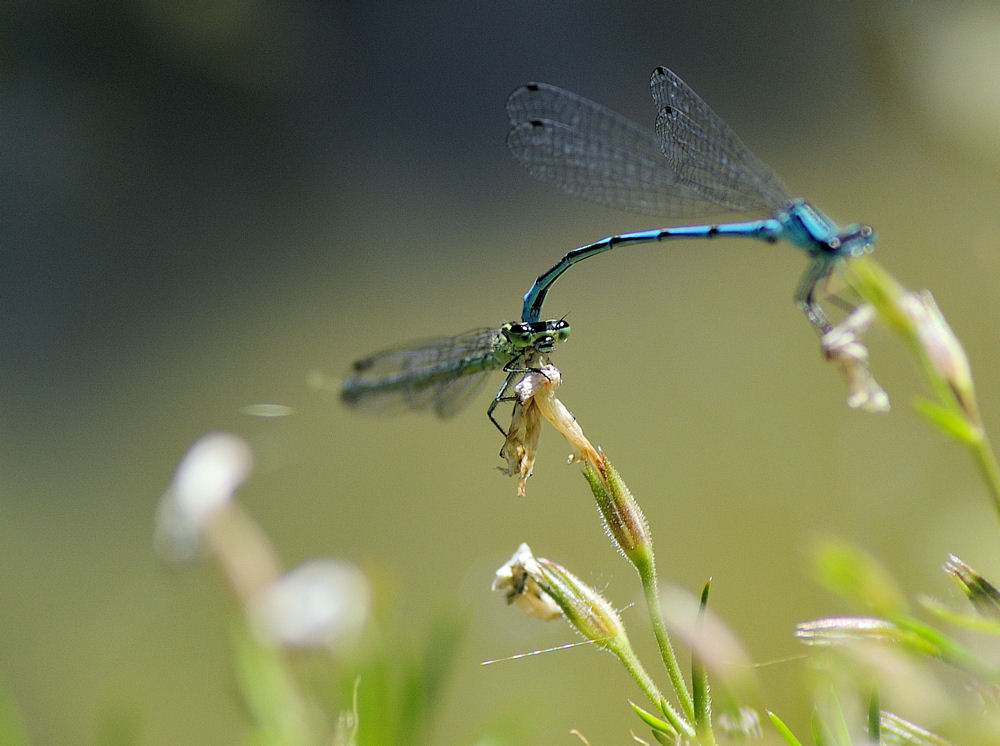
x,y
442,374
592,152
705,153
589,151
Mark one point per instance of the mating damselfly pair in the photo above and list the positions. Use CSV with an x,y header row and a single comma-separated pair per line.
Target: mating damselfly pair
x,y
691,165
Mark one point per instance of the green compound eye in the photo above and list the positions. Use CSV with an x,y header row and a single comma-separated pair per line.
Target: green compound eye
x,y
520,335
542,335
559,330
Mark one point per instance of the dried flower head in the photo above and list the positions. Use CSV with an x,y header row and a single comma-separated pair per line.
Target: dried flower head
x,y
516,578
520,448
841,345
535,399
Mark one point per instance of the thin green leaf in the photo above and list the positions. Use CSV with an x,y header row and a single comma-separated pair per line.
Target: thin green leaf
x,y
822,734
664,738
652,721
964,620
783,730
269,692
948,421
700,691
874,728
949,649
674,718
843,732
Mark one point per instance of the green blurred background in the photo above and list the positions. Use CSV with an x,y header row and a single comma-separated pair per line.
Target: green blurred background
x,y
202,202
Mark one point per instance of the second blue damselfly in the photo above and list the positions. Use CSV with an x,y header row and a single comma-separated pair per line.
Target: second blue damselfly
x,y
693,166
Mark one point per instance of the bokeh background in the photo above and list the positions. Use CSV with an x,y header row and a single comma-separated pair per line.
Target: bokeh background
x,y
203,202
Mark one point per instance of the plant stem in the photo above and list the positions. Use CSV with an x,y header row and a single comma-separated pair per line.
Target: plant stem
x,y
647,576
632,664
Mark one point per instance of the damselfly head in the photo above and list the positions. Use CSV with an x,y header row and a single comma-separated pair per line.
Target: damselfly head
x,y
541,335
856,240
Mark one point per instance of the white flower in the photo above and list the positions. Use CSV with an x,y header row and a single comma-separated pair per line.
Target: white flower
x,y
322,603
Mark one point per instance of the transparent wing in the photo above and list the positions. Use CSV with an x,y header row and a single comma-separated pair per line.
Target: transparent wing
x,y
442,374
451,398
705,153
592,152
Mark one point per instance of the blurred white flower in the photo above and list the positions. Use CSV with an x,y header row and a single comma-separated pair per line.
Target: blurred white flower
x,y
206,479
322,603
210,473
